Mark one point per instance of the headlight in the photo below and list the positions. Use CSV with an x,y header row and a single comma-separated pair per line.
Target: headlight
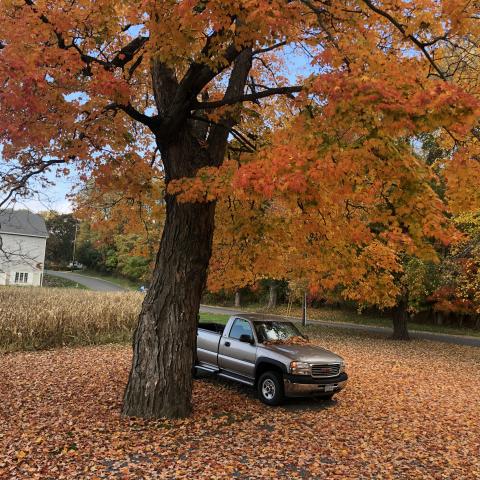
x,y
300,368
343,366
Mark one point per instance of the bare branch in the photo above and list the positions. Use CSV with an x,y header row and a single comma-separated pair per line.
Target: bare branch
x,y
421,45
269,49
21,183
217,138
250,97
128,52
249,146
130,110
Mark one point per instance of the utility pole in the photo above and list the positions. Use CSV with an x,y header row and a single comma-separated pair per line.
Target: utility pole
x,y
304,309
74,247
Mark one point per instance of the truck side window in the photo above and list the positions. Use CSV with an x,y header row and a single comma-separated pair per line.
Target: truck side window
x,y
240,327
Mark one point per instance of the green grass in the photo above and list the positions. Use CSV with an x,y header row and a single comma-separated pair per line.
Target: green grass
x,y
50,281
121,281
346,316
351,316
214,317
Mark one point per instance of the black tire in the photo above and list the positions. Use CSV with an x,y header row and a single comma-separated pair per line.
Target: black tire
x,y
328,398
270,388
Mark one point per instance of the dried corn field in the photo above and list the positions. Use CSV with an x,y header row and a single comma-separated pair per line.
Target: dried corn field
x,y
37,318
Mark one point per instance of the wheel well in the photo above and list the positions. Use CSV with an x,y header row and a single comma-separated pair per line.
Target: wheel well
x,y
266,367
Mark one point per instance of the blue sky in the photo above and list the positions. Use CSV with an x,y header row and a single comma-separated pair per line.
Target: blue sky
x,y
53,197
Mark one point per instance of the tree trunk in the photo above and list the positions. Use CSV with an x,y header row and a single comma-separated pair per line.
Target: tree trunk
x,y
272,296
160,381
164,344
400,319
237,299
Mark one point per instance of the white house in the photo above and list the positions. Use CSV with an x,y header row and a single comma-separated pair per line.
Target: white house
x,y
23,238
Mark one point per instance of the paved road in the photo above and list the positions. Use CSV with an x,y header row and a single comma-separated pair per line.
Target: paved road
x,y
438,337
92,283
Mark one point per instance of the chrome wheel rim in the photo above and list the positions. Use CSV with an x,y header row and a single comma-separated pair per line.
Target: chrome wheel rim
x,y
268,389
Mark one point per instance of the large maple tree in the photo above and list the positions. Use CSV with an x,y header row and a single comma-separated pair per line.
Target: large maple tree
x,y
127,91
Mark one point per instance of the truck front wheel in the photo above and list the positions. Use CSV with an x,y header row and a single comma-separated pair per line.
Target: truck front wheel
x,y
270,388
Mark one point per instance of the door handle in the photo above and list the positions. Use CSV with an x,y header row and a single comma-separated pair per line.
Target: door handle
x,y
227,344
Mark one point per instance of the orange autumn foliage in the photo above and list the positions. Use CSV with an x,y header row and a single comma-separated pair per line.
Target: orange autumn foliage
x,y
332,194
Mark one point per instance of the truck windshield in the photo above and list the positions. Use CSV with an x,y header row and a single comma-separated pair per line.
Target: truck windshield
x,y
271,331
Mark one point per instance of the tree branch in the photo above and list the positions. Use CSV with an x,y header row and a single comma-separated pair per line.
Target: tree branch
x,y
124,56
269,49
320,12
421,45
22,182
129,109
197,77
218,136
128,52
250,97
249,146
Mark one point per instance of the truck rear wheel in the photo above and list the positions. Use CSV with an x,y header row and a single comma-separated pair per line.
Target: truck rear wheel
x,y
270,388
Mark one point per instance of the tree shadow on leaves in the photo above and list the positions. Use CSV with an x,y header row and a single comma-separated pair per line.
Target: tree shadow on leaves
x,y
297,404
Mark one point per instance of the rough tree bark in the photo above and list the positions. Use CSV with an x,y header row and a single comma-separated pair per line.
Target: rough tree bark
x,y
400,320
160,381
272,295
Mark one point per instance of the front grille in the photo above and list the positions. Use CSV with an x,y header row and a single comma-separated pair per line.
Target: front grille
x,y
325,370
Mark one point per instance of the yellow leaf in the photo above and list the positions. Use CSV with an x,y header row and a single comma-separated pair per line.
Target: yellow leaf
x,y
21,455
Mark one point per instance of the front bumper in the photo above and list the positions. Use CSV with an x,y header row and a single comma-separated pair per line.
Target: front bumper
x,y
301,386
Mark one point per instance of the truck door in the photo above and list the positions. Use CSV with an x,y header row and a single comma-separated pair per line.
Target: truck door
x,y
236,356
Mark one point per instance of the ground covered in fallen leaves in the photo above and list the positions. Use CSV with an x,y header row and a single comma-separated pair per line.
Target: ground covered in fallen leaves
x,y
410,411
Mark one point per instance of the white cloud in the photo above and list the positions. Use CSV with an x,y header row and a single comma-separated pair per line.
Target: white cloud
x,y
42,203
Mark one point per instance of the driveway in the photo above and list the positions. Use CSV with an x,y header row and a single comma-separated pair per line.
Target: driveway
x,y
437,337
92,283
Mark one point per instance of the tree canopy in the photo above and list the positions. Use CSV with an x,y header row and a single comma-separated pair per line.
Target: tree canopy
x,y
178,105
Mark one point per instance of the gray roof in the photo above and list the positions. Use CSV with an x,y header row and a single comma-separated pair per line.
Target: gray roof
x,y
22,222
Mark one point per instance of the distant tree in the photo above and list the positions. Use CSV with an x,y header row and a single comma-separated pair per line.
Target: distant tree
x,y
89,252
131,262
61,231
458,288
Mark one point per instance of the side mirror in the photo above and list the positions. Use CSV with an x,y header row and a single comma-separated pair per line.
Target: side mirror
x,y
246,339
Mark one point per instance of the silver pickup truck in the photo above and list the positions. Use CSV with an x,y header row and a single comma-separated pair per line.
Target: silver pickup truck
x,y
271,355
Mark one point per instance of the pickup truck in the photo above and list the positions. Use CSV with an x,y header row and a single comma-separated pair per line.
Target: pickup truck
x,y
271,355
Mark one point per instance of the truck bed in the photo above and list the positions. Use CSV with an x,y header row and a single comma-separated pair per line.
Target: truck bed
x,y
208,339
212,327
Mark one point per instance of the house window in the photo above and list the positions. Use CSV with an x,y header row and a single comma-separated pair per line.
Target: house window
x,y
21,277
